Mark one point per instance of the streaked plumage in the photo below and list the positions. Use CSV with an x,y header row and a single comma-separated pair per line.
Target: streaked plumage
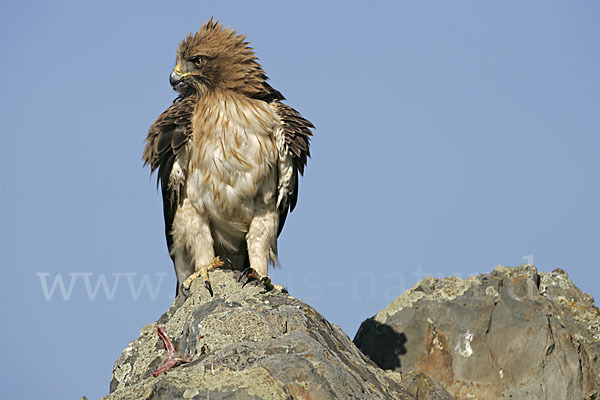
x,y
228,153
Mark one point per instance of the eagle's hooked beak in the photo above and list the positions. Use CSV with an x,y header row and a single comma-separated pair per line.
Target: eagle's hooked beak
x,y
176,76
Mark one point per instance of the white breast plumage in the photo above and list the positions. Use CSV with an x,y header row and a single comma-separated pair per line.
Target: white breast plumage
x,y
232,163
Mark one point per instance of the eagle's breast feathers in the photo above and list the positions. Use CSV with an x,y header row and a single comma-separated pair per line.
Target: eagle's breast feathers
x,y
225,154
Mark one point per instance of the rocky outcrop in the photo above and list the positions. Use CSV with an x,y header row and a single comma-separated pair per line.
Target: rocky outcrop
x,y
244,344
513,333
423,387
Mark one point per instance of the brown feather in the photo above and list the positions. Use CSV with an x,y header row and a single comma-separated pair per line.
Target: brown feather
x,y
297,133
166,138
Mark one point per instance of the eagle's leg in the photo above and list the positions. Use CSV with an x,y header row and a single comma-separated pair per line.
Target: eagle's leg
x,y
192,237
217,262
262,246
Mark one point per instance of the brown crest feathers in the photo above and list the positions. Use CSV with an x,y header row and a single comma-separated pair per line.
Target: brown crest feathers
x,y
232,63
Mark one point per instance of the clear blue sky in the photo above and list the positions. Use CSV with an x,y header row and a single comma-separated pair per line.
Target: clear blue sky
x,y
451,137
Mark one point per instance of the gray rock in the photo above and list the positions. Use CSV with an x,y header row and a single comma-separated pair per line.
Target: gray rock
x,y
424,388
249,345
511,334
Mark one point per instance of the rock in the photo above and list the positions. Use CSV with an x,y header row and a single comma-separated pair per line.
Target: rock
x,y
424,388
513,333
249,345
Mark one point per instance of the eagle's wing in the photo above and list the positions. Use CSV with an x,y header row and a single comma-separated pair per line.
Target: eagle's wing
x,y
166,138
293,148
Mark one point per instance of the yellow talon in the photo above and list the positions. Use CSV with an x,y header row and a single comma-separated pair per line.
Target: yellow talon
x,y
217,262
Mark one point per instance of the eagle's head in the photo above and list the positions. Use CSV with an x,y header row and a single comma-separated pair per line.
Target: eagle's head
x,y
218,58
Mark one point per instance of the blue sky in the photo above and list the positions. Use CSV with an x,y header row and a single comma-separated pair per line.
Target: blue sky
x,y
451,137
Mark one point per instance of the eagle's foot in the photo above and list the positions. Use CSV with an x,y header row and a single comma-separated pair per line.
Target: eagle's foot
x,y
254,277
217,262
173,359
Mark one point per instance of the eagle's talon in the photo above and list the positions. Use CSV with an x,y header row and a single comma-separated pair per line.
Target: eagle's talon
x,y
252,276
249,280
267,289
256,278
185,291
226,262
208,287
247,272
217,262
265,280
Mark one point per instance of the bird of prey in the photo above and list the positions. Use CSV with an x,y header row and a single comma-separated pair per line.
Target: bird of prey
x,y
228,152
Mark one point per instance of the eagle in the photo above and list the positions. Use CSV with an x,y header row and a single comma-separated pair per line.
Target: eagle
x,y
228,153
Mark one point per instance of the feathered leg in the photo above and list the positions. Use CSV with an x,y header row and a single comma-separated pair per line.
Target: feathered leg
x,y
262,246
191,234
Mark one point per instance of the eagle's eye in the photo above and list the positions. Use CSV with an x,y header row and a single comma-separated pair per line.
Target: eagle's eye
x,y
198,61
